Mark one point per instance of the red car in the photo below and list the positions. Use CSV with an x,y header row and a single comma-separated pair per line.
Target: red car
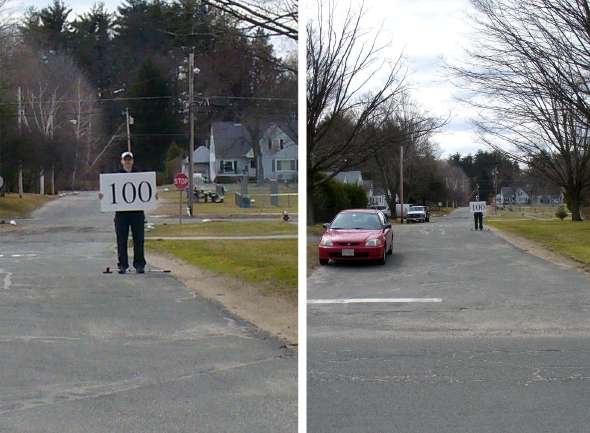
x,y
357,234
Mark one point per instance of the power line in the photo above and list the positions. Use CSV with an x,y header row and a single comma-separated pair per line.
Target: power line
x,y
153,98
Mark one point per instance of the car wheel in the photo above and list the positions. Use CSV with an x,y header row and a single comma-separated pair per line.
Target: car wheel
x,y
390,249
383,259
324,262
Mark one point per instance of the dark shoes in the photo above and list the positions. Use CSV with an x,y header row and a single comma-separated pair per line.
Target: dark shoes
x,y
122,271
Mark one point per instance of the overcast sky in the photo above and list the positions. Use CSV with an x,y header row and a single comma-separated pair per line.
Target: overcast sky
x,y
429,33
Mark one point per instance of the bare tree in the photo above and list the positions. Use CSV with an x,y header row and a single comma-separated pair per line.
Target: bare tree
x,y
341,106
529,74
60,106
456,183
405,125
278,17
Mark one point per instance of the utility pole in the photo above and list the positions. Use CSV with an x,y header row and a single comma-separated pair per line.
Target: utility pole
x,y
191,92
128,130
20,123
78,121
401,184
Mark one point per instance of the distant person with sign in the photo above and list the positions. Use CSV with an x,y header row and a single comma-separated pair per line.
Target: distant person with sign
x,y
477,208
128,197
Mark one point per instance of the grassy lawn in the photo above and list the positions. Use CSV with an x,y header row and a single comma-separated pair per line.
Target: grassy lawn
x,y
170,202
270,264
315,230
529,212
563,237
11,206
225,228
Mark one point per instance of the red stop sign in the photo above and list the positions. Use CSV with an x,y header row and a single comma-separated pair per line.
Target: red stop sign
x,y
181,181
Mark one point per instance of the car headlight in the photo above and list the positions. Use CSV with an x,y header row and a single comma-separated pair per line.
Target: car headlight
x,y
327,242
373,242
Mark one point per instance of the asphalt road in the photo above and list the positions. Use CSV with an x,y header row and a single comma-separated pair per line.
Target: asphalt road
x,y
86,352
507,350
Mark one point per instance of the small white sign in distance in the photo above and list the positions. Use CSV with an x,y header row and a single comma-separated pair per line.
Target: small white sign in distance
x,y
1,182
128,191
477,206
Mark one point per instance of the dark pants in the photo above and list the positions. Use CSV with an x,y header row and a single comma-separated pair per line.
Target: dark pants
x,y
135,220
478,218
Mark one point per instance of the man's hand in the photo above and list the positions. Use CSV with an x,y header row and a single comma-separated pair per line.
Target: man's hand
x,y
100,195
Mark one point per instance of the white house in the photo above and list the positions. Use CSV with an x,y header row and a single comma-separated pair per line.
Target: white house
x,y
509,195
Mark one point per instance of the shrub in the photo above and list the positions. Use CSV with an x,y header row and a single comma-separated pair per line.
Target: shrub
x,y
332,197
561,213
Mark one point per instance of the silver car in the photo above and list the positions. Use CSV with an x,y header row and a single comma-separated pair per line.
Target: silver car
x,y
383,209
418,214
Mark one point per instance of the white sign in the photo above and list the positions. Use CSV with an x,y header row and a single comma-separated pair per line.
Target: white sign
x,y
477,206
1,182
128,191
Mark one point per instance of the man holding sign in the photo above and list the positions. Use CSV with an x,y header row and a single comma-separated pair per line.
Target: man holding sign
x,y
128,193
477,208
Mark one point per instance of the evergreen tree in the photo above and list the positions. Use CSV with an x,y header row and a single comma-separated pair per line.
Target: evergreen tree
x,y
154,121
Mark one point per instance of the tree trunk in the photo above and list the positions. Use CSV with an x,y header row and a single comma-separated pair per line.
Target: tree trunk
x,y
576,205
259,170
310,208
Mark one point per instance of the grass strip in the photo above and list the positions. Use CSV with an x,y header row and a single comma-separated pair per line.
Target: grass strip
x,y
11,206
270,264
571,239
225,228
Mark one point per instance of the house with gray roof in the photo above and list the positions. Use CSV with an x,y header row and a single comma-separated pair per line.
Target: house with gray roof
x,y
230,153
510,195
353,177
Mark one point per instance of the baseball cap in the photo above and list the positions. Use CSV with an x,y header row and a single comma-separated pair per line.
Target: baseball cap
x,y
126,154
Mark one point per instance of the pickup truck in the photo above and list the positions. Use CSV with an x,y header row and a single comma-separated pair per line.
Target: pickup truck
x,y
418,214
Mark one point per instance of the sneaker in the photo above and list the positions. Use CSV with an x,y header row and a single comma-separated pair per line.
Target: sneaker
x,y
122,271
140,270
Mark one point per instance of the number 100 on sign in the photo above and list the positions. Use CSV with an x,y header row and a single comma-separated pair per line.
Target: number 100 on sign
x,y
128,191
477,206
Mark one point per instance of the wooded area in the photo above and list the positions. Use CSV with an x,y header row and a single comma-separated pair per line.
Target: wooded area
x,y
66,82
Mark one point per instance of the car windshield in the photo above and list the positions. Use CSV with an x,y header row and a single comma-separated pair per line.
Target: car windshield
x,y
358,221
417,209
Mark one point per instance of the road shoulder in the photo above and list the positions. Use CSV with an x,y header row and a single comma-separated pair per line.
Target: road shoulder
x,y
272,314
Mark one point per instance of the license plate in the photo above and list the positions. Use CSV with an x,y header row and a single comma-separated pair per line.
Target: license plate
x,y
348,253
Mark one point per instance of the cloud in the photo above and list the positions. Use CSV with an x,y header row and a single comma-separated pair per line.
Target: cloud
x,y
464,142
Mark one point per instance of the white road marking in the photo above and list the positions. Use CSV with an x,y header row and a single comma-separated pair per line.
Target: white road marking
x,y
373,301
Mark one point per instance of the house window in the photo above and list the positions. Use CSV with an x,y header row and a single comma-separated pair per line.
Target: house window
x,y
252,163
228,166
269,144
282,144
286,165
